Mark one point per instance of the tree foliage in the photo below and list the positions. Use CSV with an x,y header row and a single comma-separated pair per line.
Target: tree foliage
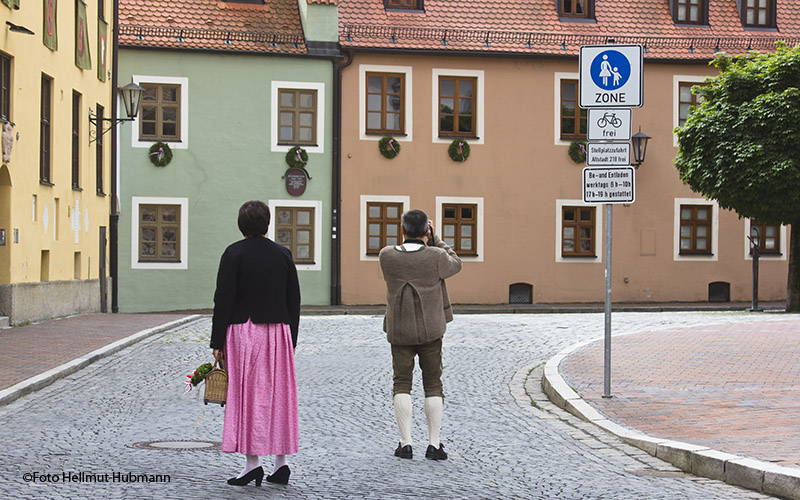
x,y
741,145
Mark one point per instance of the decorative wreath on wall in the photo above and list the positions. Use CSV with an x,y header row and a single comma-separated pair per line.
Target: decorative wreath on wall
x,y
577,151
160,154
458,150
389,147
297,158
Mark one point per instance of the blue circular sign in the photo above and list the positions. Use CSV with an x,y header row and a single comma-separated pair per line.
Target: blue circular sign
x,y
610,70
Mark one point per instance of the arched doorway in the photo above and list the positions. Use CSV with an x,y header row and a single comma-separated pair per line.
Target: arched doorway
x,y
5,225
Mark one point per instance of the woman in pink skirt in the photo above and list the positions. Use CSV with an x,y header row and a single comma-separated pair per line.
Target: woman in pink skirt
x,y
256,315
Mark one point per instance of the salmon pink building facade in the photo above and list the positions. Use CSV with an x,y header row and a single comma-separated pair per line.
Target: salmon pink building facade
x,y
479,102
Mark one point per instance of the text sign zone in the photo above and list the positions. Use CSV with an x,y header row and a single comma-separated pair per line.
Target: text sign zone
x,y
608,185
611,76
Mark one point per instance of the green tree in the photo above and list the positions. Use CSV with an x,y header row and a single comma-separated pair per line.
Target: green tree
x,y
741,145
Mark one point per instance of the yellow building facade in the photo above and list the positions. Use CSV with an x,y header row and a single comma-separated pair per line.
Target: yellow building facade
x,y
55,174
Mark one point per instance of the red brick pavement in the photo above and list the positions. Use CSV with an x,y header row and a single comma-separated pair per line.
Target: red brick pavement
x,y
27,351
733,388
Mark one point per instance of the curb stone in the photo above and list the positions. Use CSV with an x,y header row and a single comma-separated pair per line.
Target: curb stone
x,y
44,379
698,460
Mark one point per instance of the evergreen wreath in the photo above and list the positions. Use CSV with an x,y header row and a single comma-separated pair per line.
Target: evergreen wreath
x,y
458,150
160,154
297,158
577,151
389,147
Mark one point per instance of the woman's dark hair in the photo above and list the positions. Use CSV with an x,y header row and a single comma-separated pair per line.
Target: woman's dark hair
x,y
415,223
254,218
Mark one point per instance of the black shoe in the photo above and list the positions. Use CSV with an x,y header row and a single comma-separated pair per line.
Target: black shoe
x,y
403,451
257,474
280,476
436,453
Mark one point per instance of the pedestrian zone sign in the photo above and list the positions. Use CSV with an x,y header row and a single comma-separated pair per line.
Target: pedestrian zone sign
x,y
611,76
608,185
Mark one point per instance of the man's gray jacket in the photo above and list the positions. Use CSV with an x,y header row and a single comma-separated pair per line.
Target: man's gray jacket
x,y
417,304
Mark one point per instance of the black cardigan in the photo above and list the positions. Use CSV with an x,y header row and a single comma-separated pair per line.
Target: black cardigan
x,y
257,279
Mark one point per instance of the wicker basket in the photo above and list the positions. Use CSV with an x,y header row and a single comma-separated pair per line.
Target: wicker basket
x,y
216,384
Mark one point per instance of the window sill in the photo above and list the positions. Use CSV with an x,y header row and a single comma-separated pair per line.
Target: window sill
x,y
577,19
684,254
159,262
77,188
578,256
46,183
405,11
767,29
393,134
685,24
293,144
100,193
167,141
465,137
768,254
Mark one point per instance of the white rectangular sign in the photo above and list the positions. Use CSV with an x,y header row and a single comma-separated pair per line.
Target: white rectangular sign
x,y
611,76
607,124
609,185
600,154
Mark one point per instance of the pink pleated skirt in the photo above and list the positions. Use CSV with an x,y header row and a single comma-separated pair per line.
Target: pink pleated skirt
x,y
261,411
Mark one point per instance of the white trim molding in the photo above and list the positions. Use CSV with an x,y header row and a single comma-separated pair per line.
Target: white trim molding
x,y
320,132
479,107
317,206
598,232
557,106
783,248
676,81
362,101
170,80
437,223
676,236
362,240
184,243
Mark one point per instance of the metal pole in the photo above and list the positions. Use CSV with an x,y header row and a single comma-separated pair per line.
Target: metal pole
x,y
756,255
607,363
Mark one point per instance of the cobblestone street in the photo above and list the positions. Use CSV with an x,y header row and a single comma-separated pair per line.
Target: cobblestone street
x,y
500,445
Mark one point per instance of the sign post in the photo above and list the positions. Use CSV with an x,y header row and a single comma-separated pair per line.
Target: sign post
x,y
610,83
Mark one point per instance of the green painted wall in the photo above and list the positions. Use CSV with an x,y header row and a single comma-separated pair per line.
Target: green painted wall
x,y
228,161
320,22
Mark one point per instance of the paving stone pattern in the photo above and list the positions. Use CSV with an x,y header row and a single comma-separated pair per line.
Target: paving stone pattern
x,y
704,385
502,443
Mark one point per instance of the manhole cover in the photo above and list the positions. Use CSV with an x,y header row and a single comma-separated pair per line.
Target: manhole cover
x,y
179,445
656,473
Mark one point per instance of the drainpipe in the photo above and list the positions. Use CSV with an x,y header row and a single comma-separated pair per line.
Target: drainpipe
x,y
336,195
113,224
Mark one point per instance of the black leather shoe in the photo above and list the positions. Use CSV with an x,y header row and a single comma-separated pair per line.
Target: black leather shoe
x,y
257,474
280,476
403,451
436,453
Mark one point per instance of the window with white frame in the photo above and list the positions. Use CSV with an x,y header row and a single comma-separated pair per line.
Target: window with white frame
x,y
296,224
458,105
772,240
459,222
163,113
159,233
380,223
384,102
696,229
579,230
569,121
683,99
298,116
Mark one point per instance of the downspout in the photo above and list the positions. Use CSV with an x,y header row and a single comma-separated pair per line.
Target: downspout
x,y
113,224
336,195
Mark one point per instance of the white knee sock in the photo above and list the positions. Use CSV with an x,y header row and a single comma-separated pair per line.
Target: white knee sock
x,y
252,461
280,461
402,412
433,412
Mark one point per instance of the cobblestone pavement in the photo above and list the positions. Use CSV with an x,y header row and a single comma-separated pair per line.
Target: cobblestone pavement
x,y
500,446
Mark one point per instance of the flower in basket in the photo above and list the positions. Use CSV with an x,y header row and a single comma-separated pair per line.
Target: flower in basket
x,y
198,376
